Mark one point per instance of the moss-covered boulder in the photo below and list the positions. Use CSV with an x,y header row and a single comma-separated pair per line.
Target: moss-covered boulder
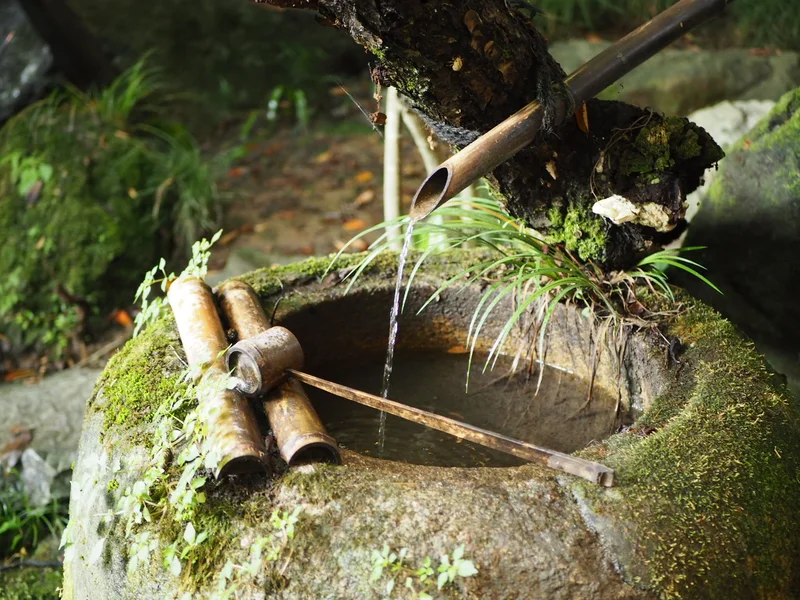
x,y
705,504
93,189
750,223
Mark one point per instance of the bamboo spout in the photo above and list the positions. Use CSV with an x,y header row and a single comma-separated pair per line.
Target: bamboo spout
x,y
512,135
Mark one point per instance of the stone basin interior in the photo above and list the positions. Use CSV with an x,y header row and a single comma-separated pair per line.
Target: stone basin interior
x,y
345,339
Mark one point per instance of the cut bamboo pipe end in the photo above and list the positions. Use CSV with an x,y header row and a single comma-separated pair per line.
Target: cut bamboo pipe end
x,y
432,193
259,362
233,432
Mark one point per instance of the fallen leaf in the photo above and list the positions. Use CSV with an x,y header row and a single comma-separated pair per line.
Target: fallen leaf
x,y
358,245
457,350
285,215
122,317
364,198
17,374
273,149
323,157
355,225
582,116
235,233
551,168
237,172
364,177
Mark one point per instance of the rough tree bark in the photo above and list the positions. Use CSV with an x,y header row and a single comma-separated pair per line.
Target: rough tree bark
x,y
465,65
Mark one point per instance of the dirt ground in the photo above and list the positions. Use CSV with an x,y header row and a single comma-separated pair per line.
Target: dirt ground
x,y
307,193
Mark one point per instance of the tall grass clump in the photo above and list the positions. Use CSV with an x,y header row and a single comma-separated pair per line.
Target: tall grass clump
x,y
94,187
520,265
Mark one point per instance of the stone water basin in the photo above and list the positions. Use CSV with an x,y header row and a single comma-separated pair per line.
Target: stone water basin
x,y
705,443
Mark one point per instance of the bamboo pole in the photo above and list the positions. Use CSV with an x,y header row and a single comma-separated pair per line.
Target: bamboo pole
x,y
233,432
591,471
515,133
391,167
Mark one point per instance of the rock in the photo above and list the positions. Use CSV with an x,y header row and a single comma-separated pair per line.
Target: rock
x,y
750,222
37,479
727,122
706,477
24,60
678,82
53,408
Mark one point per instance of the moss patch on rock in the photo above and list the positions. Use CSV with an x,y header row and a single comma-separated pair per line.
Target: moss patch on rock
x,y
30,584
88,200
706,490
142,375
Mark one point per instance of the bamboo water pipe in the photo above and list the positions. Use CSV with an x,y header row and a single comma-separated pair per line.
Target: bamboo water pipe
x,y
260,359
512,135
232,428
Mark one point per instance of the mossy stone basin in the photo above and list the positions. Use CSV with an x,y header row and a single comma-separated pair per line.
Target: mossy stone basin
x,y
707,503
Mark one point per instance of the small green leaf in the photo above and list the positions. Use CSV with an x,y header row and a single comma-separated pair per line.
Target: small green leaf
x,y
175,566
45,172
458,552
377,571
441,580
190,533
97,551
466,568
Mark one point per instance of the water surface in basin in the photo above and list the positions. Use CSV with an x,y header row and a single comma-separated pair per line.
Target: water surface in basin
x,y
558,418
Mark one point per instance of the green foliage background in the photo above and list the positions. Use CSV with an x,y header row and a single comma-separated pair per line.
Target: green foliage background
x,y
771,23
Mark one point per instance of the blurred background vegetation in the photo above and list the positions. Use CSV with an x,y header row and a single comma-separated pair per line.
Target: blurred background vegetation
x,y
96,185
767,23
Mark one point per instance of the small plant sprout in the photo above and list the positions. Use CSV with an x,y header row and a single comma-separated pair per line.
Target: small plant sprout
x,y
420,582
153,308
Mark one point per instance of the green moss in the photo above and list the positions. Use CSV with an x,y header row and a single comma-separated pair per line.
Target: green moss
x,y
580,231
83,205
141,376
657,146
30,584
689,487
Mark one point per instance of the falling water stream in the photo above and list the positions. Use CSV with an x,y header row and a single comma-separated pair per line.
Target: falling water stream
x,y
393,325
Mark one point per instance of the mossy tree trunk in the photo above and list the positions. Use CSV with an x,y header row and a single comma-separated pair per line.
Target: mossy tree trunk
x,y
465,65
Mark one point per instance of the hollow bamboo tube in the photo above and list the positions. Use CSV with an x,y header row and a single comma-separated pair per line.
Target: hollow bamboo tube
x,y
261,355
591,471
512,135
232,428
